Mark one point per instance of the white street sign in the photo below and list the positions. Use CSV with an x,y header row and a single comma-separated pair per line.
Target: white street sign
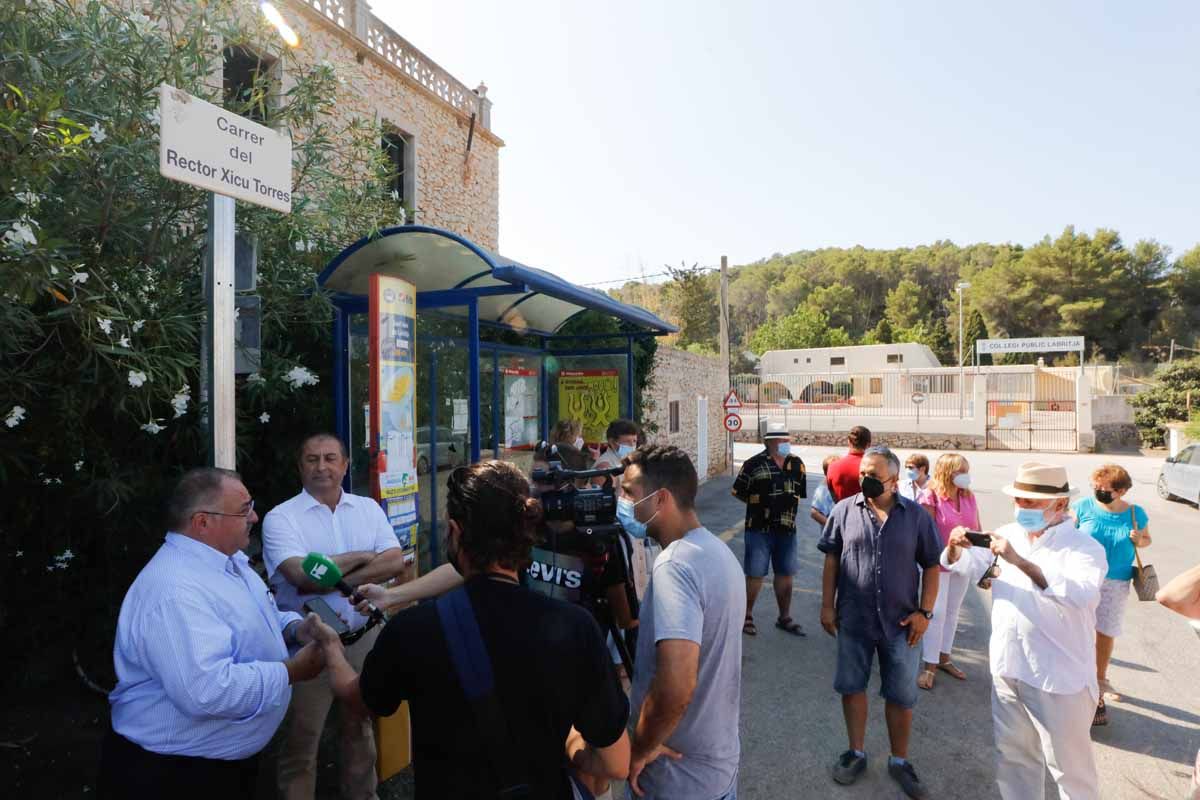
x,y
1047,344
918,397
209,147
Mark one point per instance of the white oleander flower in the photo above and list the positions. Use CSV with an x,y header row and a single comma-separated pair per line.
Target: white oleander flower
x,y
105,325
136,379
28,198
180,401
124,342
255,377
138,324
15,416
264,418
299,376
79,277
152,427
97,132
21,233
78,466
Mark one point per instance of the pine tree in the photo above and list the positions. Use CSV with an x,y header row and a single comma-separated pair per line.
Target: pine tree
x,y
883,333
940,342
975,330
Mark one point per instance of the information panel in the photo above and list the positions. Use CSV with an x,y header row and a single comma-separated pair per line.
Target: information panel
x,y
592,396
393,311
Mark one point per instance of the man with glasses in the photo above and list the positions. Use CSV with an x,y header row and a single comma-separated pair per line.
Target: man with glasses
x,y
354,532
201,655
878,590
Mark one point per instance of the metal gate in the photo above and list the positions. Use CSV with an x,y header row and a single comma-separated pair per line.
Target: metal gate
x,y
1032,411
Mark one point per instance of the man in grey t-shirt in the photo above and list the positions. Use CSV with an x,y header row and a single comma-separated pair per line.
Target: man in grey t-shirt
x,y
688,670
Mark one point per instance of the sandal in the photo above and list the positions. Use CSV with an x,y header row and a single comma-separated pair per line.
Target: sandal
x,y
1106,688
925,679
1101,717
951,669
787,625
748,627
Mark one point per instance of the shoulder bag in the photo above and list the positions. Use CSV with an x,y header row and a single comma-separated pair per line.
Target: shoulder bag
x,y
1145,579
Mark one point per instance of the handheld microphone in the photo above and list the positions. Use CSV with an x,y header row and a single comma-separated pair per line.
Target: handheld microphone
x,y
326,574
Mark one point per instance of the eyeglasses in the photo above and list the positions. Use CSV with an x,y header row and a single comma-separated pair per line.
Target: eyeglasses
x,y
243,514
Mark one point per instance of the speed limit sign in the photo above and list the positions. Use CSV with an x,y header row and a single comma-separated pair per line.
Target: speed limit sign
x,y
733,423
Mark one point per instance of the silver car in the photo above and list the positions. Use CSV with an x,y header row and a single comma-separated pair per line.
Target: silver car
x,y
1180,476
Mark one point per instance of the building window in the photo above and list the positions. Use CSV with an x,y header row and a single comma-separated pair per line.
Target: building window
x,y
837,361
876,385
673,417
248,82
795,361
397,151
808,361
895,358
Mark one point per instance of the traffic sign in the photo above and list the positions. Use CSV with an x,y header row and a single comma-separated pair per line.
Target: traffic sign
x,y
918,397
733,423
731,400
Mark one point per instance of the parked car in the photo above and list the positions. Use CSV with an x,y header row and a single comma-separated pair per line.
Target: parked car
x,y
1180,476
451,449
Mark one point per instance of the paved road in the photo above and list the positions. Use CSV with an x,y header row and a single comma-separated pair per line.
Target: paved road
x,y
792,726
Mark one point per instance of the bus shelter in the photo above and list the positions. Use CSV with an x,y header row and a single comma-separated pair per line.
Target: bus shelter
x,y
503,352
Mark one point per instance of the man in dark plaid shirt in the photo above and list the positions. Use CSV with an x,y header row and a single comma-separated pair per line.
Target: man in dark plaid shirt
x,y
771,485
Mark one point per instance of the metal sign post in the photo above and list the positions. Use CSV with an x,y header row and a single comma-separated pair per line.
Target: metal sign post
x,y
234,158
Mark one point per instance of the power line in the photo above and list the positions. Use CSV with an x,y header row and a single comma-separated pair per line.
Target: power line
x,y
644,276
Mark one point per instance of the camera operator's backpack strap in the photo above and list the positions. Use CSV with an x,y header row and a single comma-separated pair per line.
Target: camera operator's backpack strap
x,y
474,670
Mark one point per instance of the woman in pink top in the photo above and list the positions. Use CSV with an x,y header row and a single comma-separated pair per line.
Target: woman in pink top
x,y
948,499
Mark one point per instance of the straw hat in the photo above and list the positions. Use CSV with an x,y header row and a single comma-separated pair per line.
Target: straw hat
x,y
1040,482
776,430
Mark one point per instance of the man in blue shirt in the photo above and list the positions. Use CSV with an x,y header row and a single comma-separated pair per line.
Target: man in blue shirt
x,y
201,656
881,551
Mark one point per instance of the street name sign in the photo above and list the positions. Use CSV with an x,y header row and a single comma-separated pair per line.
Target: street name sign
x,y
1045,344
207,146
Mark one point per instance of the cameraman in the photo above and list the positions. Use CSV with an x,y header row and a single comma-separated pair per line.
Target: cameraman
x,y
603,574
553,683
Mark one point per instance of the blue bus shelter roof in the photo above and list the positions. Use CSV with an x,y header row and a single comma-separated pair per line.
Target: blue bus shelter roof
x,y
435,260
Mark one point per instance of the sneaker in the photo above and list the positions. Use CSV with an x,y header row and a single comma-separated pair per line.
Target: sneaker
x,y
848,767
906,776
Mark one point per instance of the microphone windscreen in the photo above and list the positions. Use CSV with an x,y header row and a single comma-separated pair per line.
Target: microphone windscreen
x,y
321,570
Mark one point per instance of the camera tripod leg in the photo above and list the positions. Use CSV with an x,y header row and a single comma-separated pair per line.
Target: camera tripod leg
x,y
618,637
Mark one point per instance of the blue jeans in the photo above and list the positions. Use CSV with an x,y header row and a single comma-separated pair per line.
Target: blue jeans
x,y
776,549
898,666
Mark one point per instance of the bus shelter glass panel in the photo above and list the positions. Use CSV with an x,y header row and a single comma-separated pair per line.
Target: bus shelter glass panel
x,y
519,407
589,389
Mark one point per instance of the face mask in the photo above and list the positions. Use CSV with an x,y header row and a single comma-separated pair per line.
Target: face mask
x,y
624,450
1104,496
962,480
628,521
784,449
1031,519
911,473
579,443
872,487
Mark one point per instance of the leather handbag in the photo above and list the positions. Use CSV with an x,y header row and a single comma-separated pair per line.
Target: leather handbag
x,y
1145,579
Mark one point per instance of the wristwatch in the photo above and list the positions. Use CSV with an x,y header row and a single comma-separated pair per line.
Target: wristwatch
x,y
924,613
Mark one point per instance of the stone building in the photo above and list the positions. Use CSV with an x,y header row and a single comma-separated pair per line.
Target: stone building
x,y
685,409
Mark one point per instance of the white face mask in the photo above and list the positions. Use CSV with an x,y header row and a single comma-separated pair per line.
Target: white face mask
x,y
962,480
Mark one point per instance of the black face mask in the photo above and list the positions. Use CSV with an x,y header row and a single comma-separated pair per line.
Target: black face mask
x,y
872,487
1104,496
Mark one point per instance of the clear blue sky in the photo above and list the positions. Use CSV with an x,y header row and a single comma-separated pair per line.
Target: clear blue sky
x,y
651,132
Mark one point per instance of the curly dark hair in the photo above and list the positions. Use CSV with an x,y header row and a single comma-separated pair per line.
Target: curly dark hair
x,y
491,502
666,467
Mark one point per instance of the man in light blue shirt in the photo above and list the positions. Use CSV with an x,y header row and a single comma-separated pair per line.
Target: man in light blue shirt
x,y
201,655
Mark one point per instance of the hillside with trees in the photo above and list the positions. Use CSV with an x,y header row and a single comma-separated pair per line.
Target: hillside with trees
x,y
1126,301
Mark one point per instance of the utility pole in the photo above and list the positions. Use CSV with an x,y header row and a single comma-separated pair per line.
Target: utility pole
x,y
724,333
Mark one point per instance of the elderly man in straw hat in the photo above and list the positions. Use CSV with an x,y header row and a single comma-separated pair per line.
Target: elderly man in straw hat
x,y
1045,581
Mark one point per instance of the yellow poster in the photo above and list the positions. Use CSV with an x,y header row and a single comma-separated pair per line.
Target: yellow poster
x,y
591,396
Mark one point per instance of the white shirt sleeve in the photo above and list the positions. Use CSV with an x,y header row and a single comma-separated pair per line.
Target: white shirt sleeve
x,y
385,537
972,561
281,540
1075,578
188,647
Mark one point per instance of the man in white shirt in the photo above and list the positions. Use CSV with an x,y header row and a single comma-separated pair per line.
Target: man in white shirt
x,y
1043,644
201,655
354,532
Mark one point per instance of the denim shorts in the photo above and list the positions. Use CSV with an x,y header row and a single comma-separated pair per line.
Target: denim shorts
x,y
776,549
898,666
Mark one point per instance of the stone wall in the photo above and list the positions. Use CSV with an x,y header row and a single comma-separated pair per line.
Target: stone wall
x,y
1109,437
452,192
682,377
906,441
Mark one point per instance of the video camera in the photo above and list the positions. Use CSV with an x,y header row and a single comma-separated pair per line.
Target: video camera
x,y
595,505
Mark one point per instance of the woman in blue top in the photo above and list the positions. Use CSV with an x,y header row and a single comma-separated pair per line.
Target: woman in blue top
x,y
1110,520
